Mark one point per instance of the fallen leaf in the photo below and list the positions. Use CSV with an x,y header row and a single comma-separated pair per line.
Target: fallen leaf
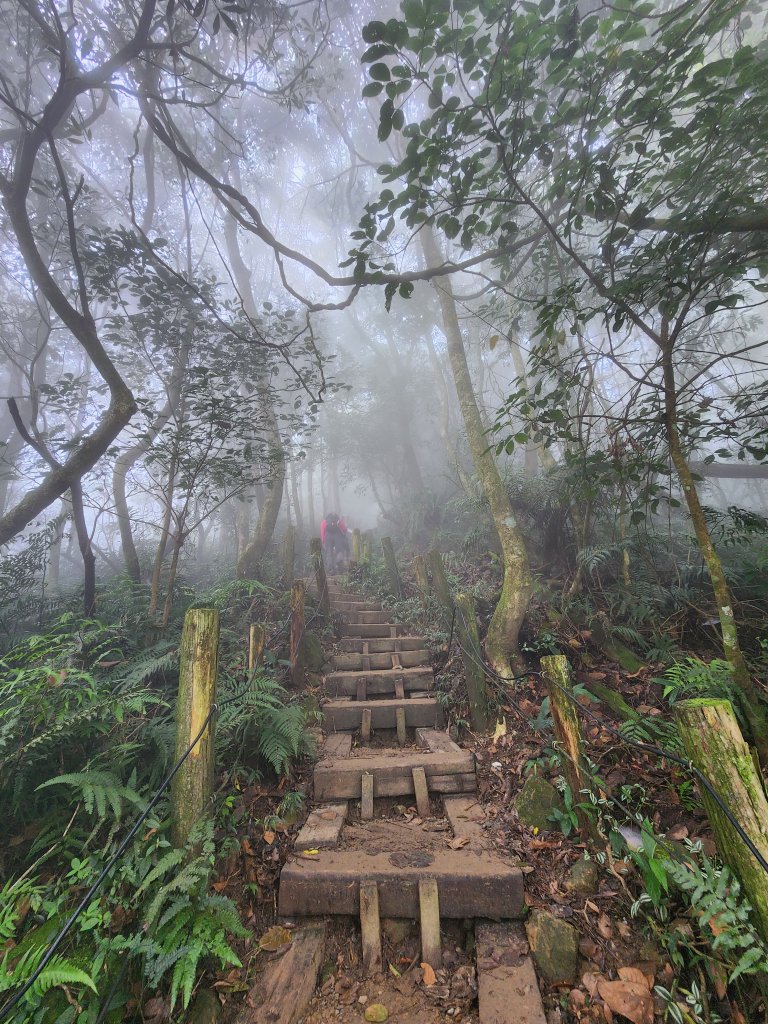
x,y
604,926
592,906
275,939
500,730
590,981
307,853
458,842
678,833
629,998
430,978
634,974
395,971
219,886
269,838
376,1013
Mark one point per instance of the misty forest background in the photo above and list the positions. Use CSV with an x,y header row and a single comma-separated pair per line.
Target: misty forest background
x,y
485,277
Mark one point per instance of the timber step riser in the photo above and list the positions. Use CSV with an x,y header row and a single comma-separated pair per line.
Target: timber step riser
x,y
413,678
378,662
382,645
372,630
419,713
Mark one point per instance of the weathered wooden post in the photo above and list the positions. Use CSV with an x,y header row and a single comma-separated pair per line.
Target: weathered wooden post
x,y
297,633
257,637
192,786
367,546
357,547
440,586
390,567
715,745
323,595
565,720
420,572
289,552
472,657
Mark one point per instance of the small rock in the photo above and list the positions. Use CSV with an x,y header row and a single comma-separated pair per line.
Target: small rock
x,y
555,947
536,801
377,1013
206,1008
583,877
363,1000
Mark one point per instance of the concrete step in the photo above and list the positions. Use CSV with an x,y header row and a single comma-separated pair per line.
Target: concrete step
x,y
367,630
469,884
386,660
452,772
366,616
356,606
381,645
347,715
378,683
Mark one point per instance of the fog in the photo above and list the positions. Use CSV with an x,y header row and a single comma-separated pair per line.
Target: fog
x,y
202,346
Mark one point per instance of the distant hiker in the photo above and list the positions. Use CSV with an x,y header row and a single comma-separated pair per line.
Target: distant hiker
x,y
335,540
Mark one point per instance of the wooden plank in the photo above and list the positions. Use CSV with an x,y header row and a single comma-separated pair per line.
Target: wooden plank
x,y
466,816
322,828
470,883
382,645
344,684
505,975
366,798
340,780
370,630
370,926
337,746
353,662
429,917
400,688
286,985
396,661
402,786
400,726
366,723
341,714
435,740
362,688
421,792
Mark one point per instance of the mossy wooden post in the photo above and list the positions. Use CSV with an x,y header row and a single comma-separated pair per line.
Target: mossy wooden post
x,y
472,657
390,567
357,547
565,720
323,595
257,637
297,633
714,743
289,553
367,546
420,572
440,581
192,786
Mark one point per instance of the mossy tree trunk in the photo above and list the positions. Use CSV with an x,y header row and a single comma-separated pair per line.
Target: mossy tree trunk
x,y
753,708
289,553
567,729
297,633
321,579
356,547
192,786
257,638
390,567
440,586
715,745
503,631
420,572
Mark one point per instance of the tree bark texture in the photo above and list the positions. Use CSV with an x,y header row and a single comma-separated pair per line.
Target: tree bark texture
x,y
472,657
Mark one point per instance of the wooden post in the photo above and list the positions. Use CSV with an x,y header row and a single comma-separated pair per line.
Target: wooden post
x,y
289,552
367,546
257,637
429,912
420,572
472,657
323,594
715,745
565,720
370,926
192,786
297,633
440,586
357,546
390,567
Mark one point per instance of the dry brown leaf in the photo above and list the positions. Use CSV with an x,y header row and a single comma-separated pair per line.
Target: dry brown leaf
x,y
624,930
604,926
429,978
275,939
219,886
635,974
592,906
629,998
458,842
269,837
590,981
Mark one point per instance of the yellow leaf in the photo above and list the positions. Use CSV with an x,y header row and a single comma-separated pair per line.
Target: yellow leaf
x,y
493,341
395,971
276,938
430,978
500,730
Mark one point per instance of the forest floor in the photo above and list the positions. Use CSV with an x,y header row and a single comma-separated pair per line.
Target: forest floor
x,y
618,964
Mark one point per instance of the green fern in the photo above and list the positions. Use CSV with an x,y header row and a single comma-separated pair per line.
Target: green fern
x,y
99,789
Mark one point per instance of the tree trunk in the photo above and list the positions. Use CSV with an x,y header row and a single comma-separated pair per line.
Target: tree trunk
x,y
502,638
753,709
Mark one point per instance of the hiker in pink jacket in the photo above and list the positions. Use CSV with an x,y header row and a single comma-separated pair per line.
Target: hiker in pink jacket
x,y
334,537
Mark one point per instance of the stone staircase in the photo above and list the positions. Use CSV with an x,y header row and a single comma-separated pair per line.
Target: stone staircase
x,y
383,741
